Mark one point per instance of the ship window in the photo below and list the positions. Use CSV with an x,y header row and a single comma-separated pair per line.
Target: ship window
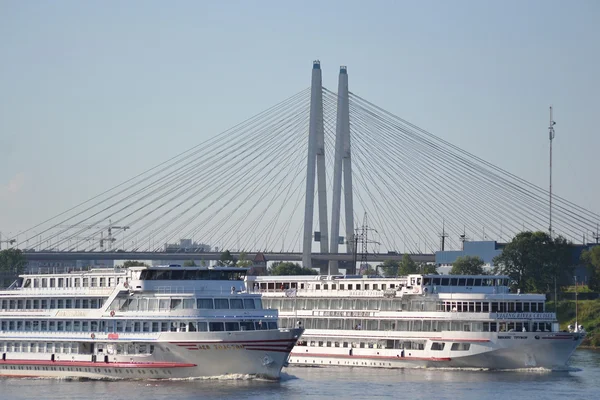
x,y
445,282
519,307
204,304
486,307
494,307
511,307
258,304
349,287
232,326
155,327
85,303
94,282
478,282
469,281
478,307
85,326
318,286
202,326
326,286
525,307
183,327
540,307
248,303
76,326
176,304
216,326
461,346
486,326
111,282
247,326
453,281
173,326
102,282
68,303
333,286
437,346
164,327
221,304
60,326
60,303
145,326
462,282
471,307
188,303
341,287
236,304
28,304
44,282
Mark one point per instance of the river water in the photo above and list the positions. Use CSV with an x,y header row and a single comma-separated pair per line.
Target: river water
x,y
581,381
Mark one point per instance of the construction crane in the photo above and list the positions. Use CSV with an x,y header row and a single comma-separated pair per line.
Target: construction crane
x,y
7,241
110,239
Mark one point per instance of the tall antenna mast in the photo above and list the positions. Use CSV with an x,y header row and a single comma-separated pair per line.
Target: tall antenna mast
x,y
551,135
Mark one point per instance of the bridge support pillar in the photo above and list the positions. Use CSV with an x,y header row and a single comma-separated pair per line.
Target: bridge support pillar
x,y
342,168
315,160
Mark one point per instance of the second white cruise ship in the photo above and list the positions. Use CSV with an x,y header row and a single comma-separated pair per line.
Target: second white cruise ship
x,y
417,321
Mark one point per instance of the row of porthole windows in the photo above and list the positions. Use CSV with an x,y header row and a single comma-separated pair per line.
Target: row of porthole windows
x,y
121,325
75,369
65,282
50,304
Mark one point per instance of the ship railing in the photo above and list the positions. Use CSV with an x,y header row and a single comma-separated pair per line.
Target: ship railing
x,y
199,290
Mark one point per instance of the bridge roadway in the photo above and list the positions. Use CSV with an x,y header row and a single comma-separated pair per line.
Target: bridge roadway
x,y
173,256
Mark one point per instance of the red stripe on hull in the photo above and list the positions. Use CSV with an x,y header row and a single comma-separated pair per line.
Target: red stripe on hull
x,y
48,363
234,341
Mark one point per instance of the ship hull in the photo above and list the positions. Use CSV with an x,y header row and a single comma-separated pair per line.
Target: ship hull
x,y
523,351
260,353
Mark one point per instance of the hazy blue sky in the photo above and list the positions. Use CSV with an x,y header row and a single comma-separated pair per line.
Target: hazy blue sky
x,y
92,93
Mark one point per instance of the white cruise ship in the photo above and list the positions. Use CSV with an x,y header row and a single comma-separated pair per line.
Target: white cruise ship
x,y
417,321
139,323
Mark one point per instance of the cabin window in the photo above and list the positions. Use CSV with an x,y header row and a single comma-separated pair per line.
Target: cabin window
x,y
188,304
204,304
478,282
102,282
511,307
94,282
318,286
247,326
236,304
176,304
325,287
216,326
478,307
341,287
349,287
453,281
486,307
333,286
221,304
494,307
232,326
540,307
437,346
258,304
469,281
462,282
460,346
519,307
52,282
248,303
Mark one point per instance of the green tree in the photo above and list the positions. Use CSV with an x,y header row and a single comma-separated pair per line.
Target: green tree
x,y
467,265
189,263
226,259
428,269
591,258
389,267
290,268
12,261
133,263
243,261
535,261
394,268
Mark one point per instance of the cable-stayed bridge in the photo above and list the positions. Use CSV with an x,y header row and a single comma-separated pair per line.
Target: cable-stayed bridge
x,y
318,162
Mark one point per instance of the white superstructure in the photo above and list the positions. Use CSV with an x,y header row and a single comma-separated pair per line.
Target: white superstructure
x,y
417,321
141,322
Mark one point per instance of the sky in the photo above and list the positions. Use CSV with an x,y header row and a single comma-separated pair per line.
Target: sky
x,y
93,93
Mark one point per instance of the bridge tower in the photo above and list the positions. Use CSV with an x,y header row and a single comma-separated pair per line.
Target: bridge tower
x,y
315,158
342,167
